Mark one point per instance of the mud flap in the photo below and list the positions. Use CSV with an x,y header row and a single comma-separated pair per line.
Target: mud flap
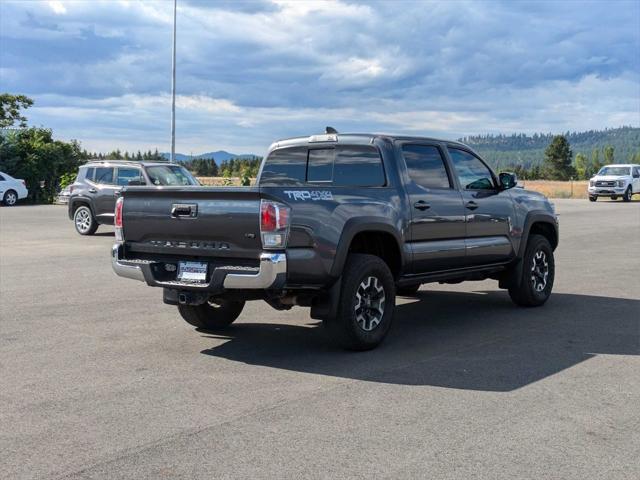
x,y
326,305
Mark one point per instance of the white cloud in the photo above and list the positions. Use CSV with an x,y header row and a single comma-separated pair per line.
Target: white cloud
x,y
57,6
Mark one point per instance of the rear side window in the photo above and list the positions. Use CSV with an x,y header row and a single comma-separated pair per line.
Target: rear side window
x,y
286,166
90,173
320,165
2,178
104,175
425,166
358,166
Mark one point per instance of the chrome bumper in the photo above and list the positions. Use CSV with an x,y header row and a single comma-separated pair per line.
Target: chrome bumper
x,y
273,268
123,269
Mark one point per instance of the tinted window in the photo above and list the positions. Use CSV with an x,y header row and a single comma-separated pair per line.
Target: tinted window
x,y
358,166
170,175
125,175
286,166
90,173
472,173
104,175
320,165
426,166
1,178
636,172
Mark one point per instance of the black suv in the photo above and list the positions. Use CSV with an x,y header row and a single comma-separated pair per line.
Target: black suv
x,y
340,223
94,193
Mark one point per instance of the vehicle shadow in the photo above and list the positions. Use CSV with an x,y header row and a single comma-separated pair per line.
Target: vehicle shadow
x,y
473,341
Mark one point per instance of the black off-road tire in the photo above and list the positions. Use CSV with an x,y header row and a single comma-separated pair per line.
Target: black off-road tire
x,y
353,328
628,195
526,293
407,291
84,221
593,198
211,315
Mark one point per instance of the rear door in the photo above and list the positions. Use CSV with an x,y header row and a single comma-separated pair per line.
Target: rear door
x,y
488,209
437,228
104,191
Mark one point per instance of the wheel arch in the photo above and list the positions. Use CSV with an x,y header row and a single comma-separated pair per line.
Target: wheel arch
x,y
539,223
373,236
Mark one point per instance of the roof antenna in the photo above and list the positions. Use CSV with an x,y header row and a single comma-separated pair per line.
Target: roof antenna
x,y
330,130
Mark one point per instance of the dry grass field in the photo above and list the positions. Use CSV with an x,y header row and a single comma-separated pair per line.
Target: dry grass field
x,y
551,189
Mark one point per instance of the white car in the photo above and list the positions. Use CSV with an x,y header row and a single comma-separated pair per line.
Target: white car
x,y
615,181
12,189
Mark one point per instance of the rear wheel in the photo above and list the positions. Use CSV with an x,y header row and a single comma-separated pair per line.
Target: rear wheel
x,y
212,315
84,221
593,198
538,272
628,194
10,198
366,305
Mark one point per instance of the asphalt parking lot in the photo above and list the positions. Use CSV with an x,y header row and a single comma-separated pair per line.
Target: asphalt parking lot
x,y
100,379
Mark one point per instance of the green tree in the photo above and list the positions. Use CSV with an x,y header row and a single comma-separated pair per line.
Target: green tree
x,y
33,154
10,107
608,155
582,166
557,159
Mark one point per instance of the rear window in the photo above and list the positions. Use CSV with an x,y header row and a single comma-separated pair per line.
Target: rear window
x,y
286,166
356,166
320,165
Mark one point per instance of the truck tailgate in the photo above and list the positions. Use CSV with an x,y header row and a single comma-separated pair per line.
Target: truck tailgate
x,y
200,221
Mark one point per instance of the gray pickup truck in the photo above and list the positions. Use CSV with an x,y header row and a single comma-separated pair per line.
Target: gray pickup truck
x,y
340,223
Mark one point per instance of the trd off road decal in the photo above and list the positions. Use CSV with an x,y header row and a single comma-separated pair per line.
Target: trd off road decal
x,y
304,195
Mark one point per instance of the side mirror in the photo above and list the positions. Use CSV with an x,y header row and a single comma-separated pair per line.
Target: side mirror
x,y
508,180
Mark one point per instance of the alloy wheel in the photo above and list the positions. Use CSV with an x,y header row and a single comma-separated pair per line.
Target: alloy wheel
x,y
83,220
369,307
539,271
10,199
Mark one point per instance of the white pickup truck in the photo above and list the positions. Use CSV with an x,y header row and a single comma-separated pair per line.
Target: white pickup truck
x,y
615,181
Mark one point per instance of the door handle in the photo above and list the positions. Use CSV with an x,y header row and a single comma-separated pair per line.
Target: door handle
x,y
93,190
471,205
184,210
421,205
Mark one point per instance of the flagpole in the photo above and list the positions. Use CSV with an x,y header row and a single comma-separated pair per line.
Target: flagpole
x,y
173,87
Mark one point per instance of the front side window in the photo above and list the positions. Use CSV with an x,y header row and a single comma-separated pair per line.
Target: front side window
x,y
472,173
636,172
285,166
127,175
320,165
104,175
170,175
425,166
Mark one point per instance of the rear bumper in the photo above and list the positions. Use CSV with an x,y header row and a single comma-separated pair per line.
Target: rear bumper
x,y
271,273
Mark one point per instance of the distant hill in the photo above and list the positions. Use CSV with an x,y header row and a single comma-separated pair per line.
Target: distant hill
x,y
219,156
525,150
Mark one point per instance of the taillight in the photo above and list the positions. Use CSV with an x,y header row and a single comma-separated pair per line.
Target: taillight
x,y
117,219
274,224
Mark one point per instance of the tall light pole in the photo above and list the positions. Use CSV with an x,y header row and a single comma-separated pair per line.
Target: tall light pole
x,y
173,87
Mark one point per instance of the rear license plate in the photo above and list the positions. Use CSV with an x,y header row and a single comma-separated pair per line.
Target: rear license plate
x,y
192,272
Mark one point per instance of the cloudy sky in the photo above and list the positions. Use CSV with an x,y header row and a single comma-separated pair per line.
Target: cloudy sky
x,y
250,72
